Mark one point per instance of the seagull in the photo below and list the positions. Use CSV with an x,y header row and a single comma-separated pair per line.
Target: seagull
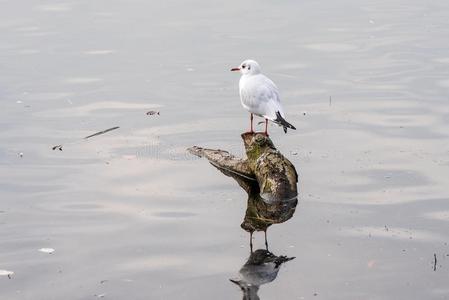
x,y
260,96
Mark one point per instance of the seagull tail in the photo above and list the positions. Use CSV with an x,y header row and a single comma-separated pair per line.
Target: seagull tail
x,y
281,121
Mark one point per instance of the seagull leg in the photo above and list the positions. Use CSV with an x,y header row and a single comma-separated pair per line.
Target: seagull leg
x,y
251,118
266,127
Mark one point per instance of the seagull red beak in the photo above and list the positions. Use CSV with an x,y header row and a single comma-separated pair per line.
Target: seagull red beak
x,y
235,69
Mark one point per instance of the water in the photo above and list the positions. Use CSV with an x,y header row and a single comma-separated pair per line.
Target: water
x,y
130,215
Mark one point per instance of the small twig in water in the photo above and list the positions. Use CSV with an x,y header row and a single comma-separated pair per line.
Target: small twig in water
x,y
434,261
101,132
59,147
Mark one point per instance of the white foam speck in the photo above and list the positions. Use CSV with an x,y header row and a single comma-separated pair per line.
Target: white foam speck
x,y
47,250
100,295
99,52
6,273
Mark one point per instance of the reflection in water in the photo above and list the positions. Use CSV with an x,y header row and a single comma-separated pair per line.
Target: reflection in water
x,y
260,214
261,267
270,180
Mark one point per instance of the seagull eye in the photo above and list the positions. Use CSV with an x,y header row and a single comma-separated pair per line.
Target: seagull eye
x,y
243,66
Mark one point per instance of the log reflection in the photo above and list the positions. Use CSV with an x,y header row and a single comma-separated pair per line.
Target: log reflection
x,y
269,179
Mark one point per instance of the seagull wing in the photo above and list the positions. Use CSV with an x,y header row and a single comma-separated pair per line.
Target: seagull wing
x,y
269,99
261,96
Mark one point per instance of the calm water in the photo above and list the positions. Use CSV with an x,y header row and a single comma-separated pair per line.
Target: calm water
x,y
132,216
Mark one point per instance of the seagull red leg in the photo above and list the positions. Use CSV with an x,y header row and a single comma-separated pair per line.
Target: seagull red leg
x,y
266,127
251,118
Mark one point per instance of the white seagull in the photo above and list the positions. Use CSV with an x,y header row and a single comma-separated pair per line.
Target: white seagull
x,y
260,96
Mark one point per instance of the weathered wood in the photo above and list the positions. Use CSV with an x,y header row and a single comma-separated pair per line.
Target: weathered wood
x,y
275,174
266,175
224,160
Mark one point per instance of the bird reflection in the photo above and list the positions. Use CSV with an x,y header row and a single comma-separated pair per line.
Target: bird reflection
x,y
262,267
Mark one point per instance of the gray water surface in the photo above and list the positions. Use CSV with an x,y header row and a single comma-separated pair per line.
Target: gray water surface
x,y
132,216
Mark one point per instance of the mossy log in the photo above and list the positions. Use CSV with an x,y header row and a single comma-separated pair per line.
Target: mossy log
x,y
266,175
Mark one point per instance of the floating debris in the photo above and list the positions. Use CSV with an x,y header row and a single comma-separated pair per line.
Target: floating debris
x,y
153,112
100,295
20,154
101,132
47,250
59,147
6,273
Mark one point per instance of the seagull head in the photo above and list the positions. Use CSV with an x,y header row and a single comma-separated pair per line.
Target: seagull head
x,y
248,67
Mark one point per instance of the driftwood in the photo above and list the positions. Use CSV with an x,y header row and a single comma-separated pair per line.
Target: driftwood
x,y
266,175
